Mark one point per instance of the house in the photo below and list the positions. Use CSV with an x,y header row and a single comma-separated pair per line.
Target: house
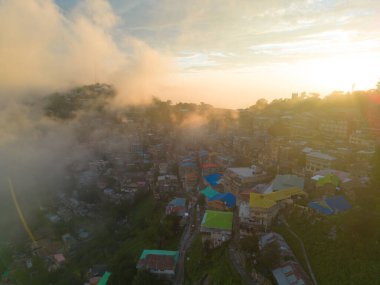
x,y
287,181
291,273
213,179
166,183
209,168
237,179
176,207
216,227
222,201
208,192
161,262
263,208
316,161
331,205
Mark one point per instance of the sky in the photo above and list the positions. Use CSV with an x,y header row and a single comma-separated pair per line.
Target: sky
x,y
223,52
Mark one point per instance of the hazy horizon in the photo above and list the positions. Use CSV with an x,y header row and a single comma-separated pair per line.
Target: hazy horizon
x,y
226,54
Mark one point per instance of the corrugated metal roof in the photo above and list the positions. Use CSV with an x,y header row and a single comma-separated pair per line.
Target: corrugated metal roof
x,y
159,252
209,192
228,198
269,200
213,179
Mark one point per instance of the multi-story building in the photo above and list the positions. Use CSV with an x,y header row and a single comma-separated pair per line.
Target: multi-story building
x,y
237,179
161,262
216,227
316,161
363,139
334,128
263,208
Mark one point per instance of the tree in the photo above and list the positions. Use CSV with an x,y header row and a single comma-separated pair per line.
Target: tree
x,y
375,175
144,277
250,244
270,255
261,104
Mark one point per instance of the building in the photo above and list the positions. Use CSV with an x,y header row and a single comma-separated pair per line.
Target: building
x,y
291,273
222,201
216,227
238,179
224,161
287,181
316,161
263,208
210,168
165,184
213,179
331,205
162,262
334,128
363,139
176,207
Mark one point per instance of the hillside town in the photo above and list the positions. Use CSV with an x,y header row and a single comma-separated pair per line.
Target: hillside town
x,y
227,201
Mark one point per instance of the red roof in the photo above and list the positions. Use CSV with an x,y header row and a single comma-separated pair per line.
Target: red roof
x,y
209,165
158,262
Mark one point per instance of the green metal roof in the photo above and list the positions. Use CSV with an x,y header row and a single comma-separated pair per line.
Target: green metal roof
x,y
159,252
217,220
209,192
105,278
328,179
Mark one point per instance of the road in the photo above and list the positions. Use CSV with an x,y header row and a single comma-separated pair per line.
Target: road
x,y
186,239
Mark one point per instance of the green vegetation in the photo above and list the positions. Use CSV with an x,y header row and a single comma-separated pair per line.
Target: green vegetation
x,y
117,246
213,265
350,258
65,105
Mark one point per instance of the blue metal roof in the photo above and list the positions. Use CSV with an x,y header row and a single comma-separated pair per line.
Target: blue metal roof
x,y
213,179
321,208
188,164
178,202
331,205
338,203
228,198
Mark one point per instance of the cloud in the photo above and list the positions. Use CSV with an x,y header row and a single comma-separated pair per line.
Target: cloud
x,y
41,48
44,49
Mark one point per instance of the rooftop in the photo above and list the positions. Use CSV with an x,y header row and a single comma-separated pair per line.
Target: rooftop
x,y
158,259
217,220
269,200
287,181
228,198
209,192
213,179
320,155
290,273
243,171
178,202
331,205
